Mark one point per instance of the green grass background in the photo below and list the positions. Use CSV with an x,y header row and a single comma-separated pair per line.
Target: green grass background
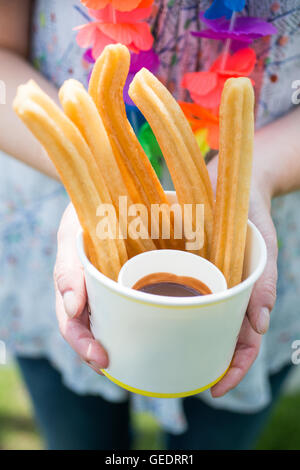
x,y
18,430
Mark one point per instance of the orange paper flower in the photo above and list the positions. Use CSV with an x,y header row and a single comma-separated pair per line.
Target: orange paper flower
x,y
120,5
206,87
201,118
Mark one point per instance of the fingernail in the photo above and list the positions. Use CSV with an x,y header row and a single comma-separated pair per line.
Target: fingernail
x,y
92,358
96,365
263,321
70,303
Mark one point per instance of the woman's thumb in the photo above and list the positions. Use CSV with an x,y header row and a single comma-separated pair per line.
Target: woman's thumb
x,y
68,272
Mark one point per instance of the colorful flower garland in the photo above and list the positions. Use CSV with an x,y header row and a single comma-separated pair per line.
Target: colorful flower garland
x,y
123,21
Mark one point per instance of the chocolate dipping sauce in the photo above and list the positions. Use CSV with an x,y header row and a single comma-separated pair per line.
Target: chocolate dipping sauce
x,y
171,285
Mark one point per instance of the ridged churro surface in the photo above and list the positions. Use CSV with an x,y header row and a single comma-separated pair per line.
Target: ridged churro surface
x,y
234,178
81,109
77,169
106,88
179,146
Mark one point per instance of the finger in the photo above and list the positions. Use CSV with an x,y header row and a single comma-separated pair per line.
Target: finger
x,y
68,271
245,354
264,293
77,333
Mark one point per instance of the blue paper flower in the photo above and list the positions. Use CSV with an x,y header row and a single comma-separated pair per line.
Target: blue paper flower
x,y
225,8
235,5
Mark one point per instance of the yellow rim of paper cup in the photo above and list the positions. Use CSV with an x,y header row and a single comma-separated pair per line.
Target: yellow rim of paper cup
x,y
162,395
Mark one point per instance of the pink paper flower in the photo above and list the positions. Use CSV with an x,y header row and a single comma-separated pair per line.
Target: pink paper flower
x,y
113,27
110,15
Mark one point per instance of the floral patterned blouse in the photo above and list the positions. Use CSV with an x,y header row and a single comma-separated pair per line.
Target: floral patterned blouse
x,y
31,204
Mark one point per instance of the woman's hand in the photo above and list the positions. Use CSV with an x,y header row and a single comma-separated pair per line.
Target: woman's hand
x,y
71,299
262,300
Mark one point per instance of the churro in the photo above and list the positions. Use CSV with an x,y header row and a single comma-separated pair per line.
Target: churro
x,y
178,145
106,88
81,109
77,168
234,178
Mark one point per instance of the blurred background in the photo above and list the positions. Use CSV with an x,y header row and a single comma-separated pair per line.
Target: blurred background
x,y
19,432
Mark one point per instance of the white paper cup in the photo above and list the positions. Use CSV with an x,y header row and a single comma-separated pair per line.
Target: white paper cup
x,y
169,347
